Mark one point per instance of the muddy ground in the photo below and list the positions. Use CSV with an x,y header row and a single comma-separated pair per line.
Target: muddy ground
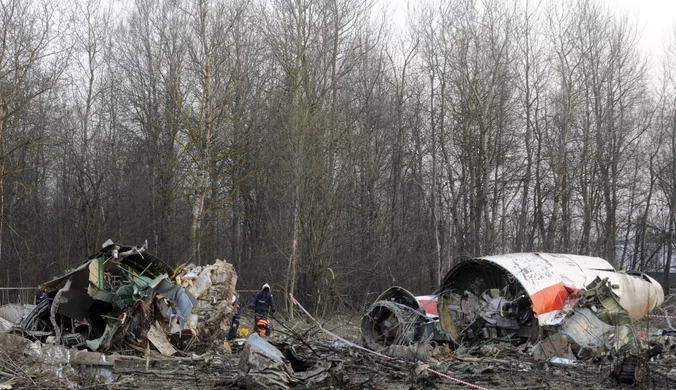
x,y
494,365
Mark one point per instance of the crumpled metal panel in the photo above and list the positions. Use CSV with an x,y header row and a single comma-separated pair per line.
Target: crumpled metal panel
x,y
262,365
15,313
183,300
588,331
6,326
401,296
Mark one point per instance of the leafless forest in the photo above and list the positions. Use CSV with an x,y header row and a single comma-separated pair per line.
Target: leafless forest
x,y
322,147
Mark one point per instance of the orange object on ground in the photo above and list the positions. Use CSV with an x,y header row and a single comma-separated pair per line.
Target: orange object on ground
x,y
262,326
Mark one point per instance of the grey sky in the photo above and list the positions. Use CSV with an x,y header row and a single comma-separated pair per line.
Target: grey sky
x,y
655,21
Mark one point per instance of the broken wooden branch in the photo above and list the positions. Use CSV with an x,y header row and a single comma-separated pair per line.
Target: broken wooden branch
x,y
18,367
296,335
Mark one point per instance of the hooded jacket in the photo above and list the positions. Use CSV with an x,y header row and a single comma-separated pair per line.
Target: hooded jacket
x,y
264,302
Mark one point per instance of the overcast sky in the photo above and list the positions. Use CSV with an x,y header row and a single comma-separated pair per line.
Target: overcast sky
x,y
655,19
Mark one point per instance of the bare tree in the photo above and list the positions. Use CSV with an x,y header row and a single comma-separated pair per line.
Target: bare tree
x,y
30,66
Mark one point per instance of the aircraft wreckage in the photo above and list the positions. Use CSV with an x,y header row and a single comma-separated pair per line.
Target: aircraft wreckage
x,y
124,296
577,303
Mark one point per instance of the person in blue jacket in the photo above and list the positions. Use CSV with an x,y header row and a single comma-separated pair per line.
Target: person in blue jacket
x,y
263,304
41,295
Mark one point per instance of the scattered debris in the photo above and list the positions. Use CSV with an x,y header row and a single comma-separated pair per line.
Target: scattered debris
x,y
159,340
53,354
555,346
321,359
149,331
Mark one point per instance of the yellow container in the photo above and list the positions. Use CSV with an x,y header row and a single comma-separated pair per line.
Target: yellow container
x,y
243,332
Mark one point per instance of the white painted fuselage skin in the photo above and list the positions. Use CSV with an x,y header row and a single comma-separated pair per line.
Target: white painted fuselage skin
x,y
638,294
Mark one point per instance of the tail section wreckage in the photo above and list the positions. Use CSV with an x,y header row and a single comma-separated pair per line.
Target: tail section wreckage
x,y
521,297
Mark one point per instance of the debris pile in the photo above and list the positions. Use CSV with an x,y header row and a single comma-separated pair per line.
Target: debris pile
x,y
214,288
123,297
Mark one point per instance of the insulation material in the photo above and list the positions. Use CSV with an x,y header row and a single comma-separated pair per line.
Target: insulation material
x,y
213,289
201,283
